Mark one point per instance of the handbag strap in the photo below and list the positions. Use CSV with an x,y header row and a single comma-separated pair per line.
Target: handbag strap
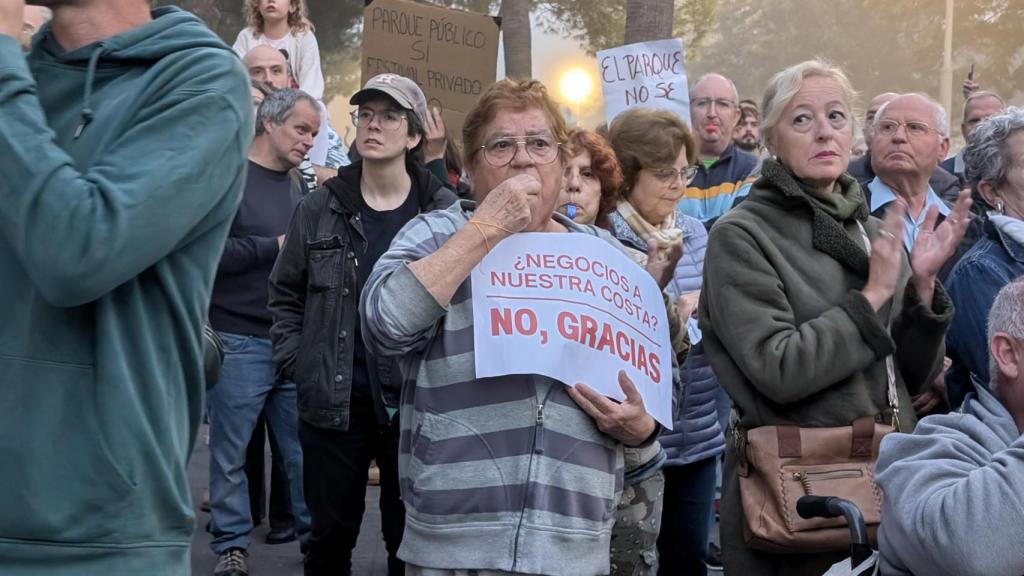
x,y
890,365
791,444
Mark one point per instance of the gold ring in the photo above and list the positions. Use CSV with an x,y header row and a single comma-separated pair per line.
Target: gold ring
x,y
888,234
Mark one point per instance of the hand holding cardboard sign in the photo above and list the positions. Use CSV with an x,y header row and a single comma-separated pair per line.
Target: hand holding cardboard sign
x,y
626,421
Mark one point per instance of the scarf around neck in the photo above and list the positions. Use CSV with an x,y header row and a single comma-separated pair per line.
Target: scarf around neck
x,y
841,202
846,199
665,234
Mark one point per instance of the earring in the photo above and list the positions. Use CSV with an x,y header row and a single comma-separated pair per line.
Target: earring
x,y
999,206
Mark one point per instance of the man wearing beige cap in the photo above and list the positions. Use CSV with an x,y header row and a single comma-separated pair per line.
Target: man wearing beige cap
x,y
348,398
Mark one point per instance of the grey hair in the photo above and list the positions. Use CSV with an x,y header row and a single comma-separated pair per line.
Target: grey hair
x,y
1007,317
941,118
987,156
277,107
785,84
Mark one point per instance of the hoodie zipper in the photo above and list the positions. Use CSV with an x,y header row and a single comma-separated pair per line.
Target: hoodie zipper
x,y
538,448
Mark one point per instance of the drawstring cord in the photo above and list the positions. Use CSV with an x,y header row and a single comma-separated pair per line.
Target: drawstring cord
x,y
90,76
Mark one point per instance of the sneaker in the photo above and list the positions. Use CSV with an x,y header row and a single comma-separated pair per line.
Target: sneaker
x,y
714,559
232,563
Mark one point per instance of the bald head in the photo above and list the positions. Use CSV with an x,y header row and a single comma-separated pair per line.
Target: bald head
x,y
979,106
269,65
869,116
718,81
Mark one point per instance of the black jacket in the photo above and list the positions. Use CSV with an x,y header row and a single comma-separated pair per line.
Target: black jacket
x,y
314,302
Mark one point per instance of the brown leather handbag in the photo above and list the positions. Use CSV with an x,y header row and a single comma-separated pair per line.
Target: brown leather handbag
x,y
779,464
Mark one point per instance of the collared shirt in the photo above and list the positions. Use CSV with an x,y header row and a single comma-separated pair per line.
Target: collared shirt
x,y
882,195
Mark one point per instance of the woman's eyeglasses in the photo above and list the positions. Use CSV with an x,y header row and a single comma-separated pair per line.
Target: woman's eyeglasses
x,y
668,175
499,152
389,120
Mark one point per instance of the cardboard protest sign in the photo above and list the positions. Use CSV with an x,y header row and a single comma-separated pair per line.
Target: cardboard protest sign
x,y
644,75
574,308
451,54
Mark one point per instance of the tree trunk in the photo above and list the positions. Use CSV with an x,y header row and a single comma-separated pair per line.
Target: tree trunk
x,y
648,20
515,29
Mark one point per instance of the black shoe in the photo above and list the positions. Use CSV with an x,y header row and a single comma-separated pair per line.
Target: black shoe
x,y
281,536
232,563
714,559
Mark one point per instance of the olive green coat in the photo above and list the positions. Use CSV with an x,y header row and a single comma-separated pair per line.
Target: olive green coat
x,y
792,339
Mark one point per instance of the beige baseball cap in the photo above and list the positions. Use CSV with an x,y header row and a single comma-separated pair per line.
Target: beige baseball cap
x,y
401,89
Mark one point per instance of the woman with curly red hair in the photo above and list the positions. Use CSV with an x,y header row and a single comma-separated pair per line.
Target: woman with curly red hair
x,y
592,179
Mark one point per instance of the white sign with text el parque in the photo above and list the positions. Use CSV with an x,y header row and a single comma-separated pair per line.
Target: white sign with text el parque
x,y
644,75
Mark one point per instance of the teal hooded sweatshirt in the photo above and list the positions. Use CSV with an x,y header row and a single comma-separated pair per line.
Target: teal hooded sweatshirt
x,y
121,166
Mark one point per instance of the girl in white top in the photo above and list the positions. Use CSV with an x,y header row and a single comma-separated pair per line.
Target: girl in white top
x,y
284,25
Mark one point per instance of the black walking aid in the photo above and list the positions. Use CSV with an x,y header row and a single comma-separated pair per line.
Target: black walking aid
x,y
832,507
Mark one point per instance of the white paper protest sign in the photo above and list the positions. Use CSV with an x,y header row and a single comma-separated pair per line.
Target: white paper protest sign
x,y
574,308
644,75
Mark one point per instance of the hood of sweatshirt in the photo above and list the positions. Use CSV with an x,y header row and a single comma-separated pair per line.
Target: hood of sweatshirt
x,y
170,32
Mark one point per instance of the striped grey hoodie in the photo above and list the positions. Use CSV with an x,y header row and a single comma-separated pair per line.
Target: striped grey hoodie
x,y
504,473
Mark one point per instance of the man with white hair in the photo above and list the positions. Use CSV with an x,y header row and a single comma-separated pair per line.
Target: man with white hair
x,y
954,489
909,138
945,185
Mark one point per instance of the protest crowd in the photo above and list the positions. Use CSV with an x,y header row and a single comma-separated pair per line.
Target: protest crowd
x,y
188,244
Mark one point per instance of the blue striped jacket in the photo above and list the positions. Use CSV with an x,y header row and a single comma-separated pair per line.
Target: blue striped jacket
x,y
502,473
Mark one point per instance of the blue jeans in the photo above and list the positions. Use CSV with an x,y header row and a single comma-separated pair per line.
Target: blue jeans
x,y
683,542
246,387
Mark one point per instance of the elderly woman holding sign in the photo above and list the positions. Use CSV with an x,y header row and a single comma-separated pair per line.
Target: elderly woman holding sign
x,y
819,325
517,473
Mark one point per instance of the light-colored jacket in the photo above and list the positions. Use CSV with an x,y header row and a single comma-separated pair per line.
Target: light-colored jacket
x,y
954,494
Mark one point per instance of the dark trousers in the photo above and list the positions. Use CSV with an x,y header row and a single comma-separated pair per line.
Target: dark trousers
x,y
335,474
685,516
281,518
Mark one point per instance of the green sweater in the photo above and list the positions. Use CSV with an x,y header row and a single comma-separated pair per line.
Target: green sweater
x,y
108,247
789,335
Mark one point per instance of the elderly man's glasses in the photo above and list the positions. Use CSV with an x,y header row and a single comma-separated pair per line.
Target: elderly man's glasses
x,y
499,152
914,128
668,175
720,103
389,120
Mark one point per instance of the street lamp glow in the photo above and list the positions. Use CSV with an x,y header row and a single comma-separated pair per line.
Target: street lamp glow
x,y
576,85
